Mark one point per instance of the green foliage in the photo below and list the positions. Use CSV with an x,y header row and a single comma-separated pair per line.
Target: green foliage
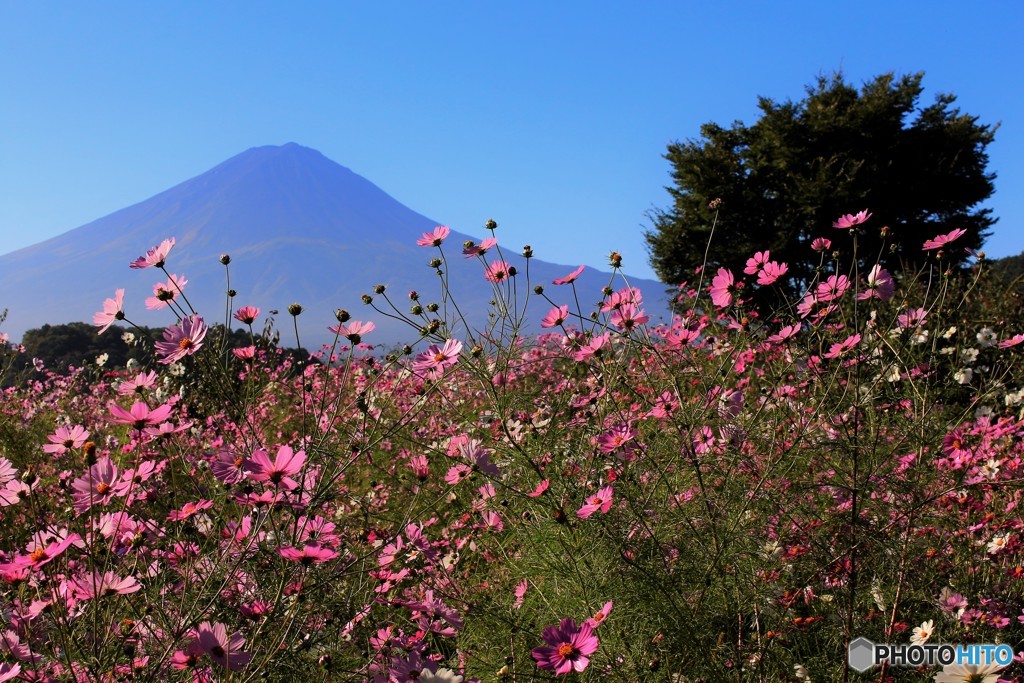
x,y
785,179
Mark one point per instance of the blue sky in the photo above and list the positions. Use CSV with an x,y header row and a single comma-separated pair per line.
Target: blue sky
x,y
550,117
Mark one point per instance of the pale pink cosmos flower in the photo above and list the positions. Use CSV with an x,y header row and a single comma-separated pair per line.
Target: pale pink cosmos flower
x,y
940,241
913,317
880,285
311,553
138,384
279,471
626,295
247,314
93,586
571,277
435,237
722,288
245,353
182,339
139,415
851,220
166,292
785,333
66,438
225,651
8,496
771,272
568,647
353,330
436,359
499,271
555,317
113,309
602,500
520,593
9,672
154,257
591,348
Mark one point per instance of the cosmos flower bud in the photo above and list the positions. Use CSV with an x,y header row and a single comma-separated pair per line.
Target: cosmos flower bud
x,y
295,309
232,293
538,290
490,224
367,299
416,309
528,251
89,449
432,307
476,351
435,263
414,295
225,259
468,244
406,350
615,259
342,315
378,289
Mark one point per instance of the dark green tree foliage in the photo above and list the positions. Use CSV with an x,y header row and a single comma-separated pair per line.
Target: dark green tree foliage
x,y
785,179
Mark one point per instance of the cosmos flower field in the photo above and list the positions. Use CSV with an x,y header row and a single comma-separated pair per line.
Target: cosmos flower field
x,y
733,496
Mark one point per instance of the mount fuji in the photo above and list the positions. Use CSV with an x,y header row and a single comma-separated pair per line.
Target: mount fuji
x,y
299,228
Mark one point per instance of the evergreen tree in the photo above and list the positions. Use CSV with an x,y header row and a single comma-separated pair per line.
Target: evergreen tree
x,y
785,179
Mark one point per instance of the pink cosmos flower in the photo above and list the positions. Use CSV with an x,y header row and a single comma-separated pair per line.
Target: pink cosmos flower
x,y
591,348
617,437
42,555
479,249
520,593
539,490
832,288
66,438
182,339
247,314
567,647
245,353
154,257
435,237
436,359
913,317
785,333
98,487
353,331
602,500
166,292
9,672
628,316
757,262
138,384
821,244
837,350
1007,343
279,471
722,288
555,317
8,494
139,415
600,616
771,272
942,240
626,295
92,586
851,220
188,510
113,309
499,271
571,277
880,285
223,650
311,553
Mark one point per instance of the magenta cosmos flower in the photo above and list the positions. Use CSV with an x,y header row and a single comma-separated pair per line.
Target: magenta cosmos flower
x,y
113,309
940,241
436,359
154,257
602,500
555,317
434,238
280,471
567,647
182,339
479,249
851,220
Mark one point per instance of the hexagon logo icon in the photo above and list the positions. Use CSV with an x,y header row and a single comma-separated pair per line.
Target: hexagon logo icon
x,y
861,655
